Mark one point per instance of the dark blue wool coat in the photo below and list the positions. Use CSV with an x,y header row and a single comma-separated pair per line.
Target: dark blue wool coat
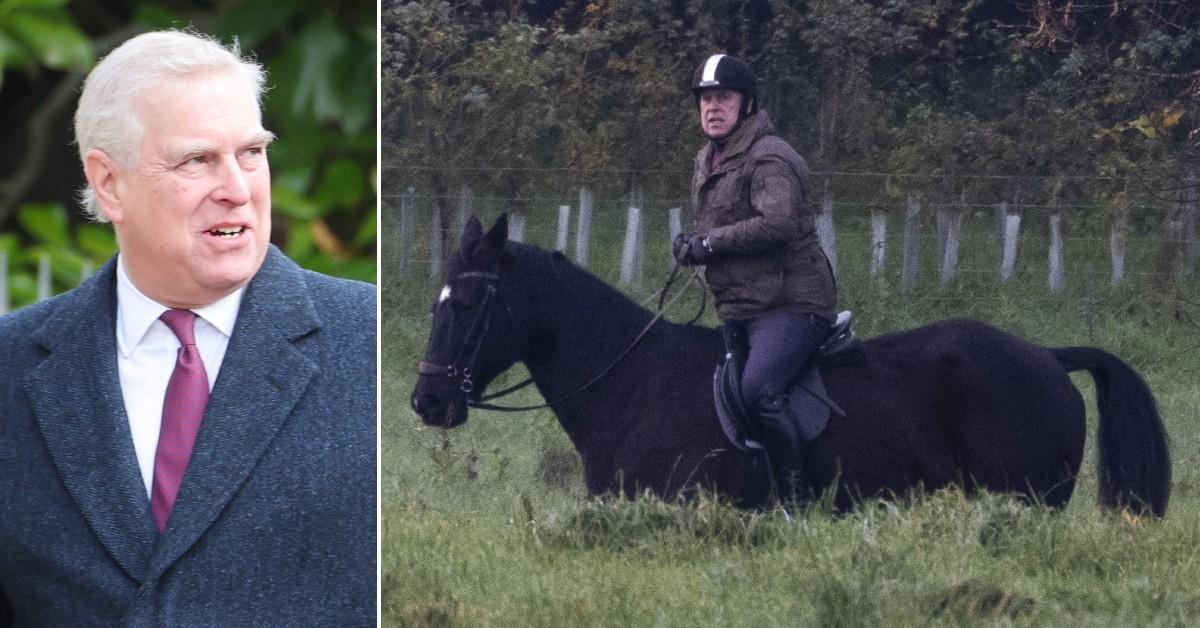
x,y
275,520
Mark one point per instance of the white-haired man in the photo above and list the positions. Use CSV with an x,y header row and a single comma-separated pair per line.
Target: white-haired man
x,y
188,438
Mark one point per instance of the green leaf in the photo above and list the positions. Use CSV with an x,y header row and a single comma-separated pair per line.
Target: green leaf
x,y
294,205
53,38
158,18
319,79
252,22
367,230
342,184
8,244
7,6
300,243
45,222
97,241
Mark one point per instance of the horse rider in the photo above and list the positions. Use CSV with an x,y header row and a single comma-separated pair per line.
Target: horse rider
x,y
755,235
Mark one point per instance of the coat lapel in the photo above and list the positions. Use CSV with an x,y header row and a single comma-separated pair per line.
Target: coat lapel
x,y
262,377
76,399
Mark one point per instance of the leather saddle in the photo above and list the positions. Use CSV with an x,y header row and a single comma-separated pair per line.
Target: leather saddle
x,y
808,404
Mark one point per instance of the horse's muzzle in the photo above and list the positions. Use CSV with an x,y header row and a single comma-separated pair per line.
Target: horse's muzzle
x,y
437,410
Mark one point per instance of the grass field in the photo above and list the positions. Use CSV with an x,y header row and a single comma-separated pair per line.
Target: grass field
x,y
489,525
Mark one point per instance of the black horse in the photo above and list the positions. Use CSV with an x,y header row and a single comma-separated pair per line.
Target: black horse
x,y
955,402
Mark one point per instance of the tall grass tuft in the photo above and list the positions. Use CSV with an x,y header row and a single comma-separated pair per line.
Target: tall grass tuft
x,y
647,523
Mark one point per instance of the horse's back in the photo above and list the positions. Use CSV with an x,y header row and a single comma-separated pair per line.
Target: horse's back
x,y
954,401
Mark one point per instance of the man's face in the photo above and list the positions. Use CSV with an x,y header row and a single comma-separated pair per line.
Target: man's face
x,y
719,112
193,214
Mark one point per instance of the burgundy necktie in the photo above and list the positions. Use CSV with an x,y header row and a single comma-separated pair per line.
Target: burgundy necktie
x,y
183,409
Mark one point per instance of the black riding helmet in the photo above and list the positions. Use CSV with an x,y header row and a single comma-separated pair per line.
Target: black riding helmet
x,y
724,71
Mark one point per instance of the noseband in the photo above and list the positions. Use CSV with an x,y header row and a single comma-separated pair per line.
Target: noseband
x,y
460,368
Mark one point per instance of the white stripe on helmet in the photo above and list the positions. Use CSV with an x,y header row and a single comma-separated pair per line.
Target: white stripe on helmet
x,y
709,75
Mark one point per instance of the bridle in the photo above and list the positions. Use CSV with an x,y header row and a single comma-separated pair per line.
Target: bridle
x,y
461,367
460,370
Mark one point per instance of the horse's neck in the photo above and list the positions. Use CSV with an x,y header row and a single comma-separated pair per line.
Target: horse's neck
x,y
581,329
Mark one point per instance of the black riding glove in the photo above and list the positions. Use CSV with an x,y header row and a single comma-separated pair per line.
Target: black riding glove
x,y
698,250
679,247
690,249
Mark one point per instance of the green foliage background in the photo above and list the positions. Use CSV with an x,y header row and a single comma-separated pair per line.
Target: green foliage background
x,y
321,103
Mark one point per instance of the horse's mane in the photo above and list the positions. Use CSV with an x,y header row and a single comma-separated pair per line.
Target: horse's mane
x,y
530,264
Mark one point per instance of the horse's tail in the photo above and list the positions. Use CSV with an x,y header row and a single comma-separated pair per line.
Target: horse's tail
x,y
1134,468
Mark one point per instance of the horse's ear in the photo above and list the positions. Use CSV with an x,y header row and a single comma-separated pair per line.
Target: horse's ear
x,y
498,234
472,232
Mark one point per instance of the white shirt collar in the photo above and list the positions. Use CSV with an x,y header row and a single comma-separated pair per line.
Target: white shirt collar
x,y
136,312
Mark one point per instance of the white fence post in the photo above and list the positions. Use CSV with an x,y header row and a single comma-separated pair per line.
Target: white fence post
x,y
437,238
516,227
564,228
408,222
826,234
466,204
878,242
912,246
629,251
3,283
1008,257
1116,249
583,227
950,248
674,228
941,221
1192,246
1057,275
45,284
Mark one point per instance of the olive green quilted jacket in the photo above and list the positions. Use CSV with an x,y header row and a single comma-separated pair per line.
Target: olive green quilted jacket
x,y
759,212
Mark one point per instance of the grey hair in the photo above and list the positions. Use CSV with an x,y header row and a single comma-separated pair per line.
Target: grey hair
x,y
106,117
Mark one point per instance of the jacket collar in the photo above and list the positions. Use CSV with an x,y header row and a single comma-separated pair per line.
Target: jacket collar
x,y
739,141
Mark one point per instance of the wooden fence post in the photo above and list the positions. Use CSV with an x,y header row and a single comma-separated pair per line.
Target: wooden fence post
x,y
408,222
878,241
912,246
564,227
1008,255
583,227
826,234
629,251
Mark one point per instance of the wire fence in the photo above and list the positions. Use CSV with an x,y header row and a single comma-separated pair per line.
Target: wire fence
x,y
1004,239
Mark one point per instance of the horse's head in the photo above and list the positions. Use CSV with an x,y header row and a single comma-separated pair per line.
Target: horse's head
x,y
471,339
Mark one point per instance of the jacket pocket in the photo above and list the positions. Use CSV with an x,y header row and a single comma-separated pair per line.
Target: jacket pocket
x,y
753,281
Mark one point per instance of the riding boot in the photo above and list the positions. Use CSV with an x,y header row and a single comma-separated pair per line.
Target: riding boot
x,y
784,445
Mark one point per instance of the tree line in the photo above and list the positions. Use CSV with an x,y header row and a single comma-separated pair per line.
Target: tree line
x,y
1075,102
